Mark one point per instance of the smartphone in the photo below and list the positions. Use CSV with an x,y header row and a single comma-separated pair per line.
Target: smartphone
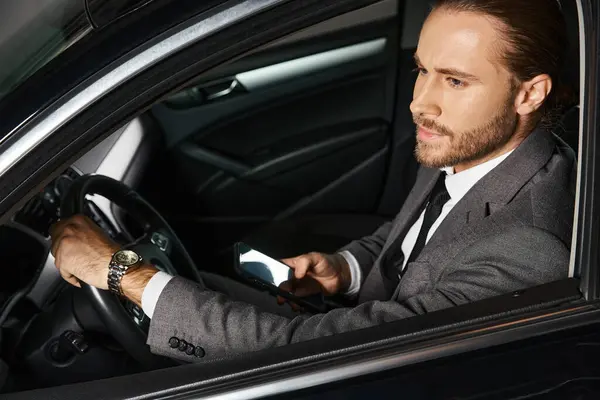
x,y
267,273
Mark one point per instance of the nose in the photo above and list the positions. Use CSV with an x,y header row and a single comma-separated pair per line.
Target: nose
x,y
425,101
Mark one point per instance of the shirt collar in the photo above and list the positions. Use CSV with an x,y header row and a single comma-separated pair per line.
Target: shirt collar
x,y
458,184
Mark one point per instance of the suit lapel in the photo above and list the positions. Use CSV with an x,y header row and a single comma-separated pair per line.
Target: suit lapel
x,y
491,193
497,188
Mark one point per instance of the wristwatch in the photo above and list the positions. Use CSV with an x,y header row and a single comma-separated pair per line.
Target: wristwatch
x,y
120,263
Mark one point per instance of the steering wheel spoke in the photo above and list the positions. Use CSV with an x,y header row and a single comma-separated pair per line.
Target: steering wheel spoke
x,y
156,248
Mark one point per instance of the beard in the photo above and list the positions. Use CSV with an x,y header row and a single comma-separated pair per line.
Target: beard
x,y
457,148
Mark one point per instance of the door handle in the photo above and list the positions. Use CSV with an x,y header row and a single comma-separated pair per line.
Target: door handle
x,y
199,95
222,90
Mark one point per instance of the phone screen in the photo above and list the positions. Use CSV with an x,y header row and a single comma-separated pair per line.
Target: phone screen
x,y
258,265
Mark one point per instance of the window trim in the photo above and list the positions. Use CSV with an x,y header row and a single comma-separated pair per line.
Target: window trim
x,y
585,252
451,345
100,85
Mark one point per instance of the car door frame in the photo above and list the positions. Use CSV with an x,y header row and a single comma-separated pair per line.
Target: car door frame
x,y
344,357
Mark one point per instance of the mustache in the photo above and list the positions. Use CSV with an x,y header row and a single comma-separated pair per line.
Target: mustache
x,y
432,125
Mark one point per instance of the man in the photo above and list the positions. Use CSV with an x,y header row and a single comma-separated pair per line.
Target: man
x,y
498,218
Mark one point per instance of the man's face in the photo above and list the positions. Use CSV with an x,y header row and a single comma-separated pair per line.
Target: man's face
x,y
463,101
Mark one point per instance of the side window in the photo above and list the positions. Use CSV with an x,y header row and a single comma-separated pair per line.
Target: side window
x,y
297,128
33,33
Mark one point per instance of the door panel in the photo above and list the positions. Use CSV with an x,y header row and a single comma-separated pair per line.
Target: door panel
x,y
347,85
281,175
299,128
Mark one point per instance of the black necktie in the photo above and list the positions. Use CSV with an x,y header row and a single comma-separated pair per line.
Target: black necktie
x,y
438,197
394,260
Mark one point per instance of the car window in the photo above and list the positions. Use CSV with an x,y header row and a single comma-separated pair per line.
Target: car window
x,y
33,32
296,117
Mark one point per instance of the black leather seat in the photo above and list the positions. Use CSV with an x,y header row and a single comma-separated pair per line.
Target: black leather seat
x,y
568,128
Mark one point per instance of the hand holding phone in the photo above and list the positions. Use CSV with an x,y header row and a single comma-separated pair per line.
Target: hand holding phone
x,y
318,272
301,280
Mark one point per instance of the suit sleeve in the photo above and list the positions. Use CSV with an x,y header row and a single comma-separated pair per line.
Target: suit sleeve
x,y
223,327
367,249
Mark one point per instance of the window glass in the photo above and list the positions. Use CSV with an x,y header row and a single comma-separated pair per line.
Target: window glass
x,y
33,32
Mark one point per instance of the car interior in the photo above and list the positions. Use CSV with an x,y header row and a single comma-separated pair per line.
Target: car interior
x,y
301,145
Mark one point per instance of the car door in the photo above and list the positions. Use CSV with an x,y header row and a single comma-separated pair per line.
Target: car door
x,y
295,138
391,352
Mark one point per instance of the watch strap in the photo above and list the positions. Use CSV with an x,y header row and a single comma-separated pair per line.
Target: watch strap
x,y
116,271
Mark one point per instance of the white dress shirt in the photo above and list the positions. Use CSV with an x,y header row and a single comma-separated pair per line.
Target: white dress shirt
x,y
457,185
153,290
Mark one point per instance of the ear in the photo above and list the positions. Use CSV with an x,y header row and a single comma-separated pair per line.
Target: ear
x,y
532,94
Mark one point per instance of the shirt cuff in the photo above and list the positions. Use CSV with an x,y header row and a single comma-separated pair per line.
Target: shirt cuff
x,y
355,274
152,291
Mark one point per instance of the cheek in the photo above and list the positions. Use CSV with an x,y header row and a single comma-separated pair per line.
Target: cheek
x,y
469,108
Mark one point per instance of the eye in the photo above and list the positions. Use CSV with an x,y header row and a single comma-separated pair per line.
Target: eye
x,y
456,83
420,70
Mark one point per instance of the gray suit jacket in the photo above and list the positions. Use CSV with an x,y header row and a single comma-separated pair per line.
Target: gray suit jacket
x,y
512,230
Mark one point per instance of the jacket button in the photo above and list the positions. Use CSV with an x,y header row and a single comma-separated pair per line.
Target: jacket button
x,y
182,345
190,350
199,352
174,342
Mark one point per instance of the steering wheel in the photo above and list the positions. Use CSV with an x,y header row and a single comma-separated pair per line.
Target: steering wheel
x,y
157,245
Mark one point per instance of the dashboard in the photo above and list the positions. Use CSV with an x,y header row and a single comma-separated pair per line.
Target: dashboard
x,y
43,210
122,156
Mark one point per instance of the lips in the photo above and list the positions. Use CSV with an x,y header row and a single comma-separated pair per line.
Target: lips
x,y
426,135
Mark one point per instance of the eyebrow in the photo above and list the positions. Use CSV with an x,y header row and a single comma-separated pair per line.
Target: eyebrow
x,y
451,71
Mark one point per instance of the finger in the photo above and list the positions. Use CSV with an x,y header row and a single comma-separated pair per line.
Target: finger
x,y
54,247
58,232
287,286
303,291
290,262
57,227
57,262
81,219
57,242
301,267
71,279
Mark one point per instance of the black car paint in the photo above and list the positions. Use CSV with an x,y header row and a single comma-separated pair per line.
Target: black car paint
x,y
103,12
92,53
574,342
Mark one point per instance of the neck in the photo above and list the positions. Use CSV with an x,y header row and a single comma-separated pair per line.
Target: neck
x,y
512,144
468,165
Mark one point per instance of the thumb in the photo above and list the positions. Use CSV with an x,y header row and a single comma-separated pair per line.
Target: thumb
x,y
300,265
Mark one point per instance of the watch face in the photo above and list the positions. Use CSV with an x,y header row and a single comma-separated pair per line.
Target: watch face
x,y
126,257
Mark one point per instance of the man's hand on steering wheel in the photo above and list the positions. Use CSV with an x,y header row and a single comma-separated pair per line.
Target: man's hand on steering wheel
x,y
82,252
